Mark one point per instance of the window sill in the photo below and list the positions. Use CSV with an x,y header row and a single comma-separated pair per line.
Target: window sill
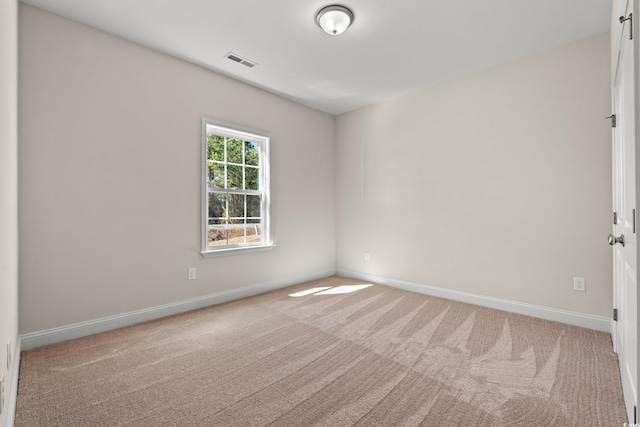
x,y
235,251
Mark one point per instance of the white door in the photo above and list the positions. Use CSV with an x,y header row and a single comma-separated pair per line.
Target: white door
x,y
624,231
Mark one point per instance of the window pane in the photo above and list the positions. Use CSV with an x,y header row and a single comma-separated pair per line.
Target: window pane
x,y
236,233
217,232
234,151
215,147
251,153
216,175
253,206
217,205
254,234
234,176
236,206
251,178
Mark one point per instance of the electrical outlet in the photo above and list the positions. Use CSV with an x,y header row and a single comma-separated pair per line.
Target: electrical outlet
x,y
579,284
367,256
191,275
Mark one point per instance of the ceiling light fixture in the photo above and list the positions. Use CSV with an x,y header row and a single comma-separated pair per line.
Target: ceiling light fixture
x,y
334,19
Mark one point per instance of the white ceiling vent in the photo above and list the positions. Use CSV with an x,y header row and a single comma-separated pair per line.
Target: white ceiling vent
x,y
240,60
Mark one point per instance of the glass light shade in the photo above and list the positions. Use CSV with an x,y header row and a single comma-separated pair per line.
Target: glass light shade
x,y
334,19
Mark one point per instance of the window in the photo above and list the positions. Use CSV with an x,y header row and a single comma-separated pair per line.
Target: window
x,y
235,190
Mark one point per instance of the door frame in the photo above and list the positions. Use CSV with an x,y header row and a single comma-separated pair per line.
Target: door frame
x,y
636,96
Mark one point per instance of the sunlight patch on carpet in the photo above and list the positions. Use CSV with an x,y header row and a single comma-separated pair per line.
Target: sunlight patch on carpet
x,y
331,290
309,291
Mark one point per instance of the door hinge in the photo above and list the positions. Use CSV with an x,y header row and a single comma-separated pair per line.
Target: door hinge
x,y
635,415
613,120
630,19
615,218
615,314
634,221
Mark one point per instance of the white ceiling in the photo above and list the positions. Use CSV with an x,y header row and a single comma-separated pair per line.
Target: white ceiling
x,y
393,46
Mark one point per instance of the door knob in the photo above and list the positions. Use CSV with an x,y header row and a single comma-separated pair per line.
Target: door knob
x,y
613,239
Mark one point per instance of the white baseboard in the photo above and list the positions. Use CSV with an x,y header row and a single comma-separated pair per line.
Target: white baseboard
x,y
77,330
572,318
13,387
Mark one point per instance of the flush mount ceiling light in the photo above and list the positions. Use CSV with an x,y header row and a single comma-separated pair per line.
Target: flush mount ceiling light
x,y
334,19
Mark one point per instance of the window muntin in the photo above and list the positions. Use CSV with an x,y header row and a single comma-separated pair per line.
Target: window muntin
x,y
236,196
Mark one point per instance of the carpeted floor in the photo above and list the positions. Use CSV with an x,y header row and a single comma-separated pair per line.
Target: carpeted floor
x,y
348,355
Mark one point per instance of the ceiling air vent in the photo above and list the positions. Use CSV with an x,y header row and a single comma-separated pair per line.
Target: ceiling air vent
x,y
240,60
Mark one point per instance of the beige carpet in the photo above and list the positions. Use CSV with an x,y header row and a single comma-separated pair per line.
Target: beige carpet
x,y
375,356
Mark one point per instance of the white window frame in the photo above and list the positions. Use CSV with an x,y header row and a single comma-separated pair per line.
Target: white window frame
x,y
263,141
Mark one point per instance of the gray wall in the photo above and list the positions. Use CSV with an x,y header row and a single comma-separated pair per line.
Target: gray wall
x,y
498,183
8,188
110,177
